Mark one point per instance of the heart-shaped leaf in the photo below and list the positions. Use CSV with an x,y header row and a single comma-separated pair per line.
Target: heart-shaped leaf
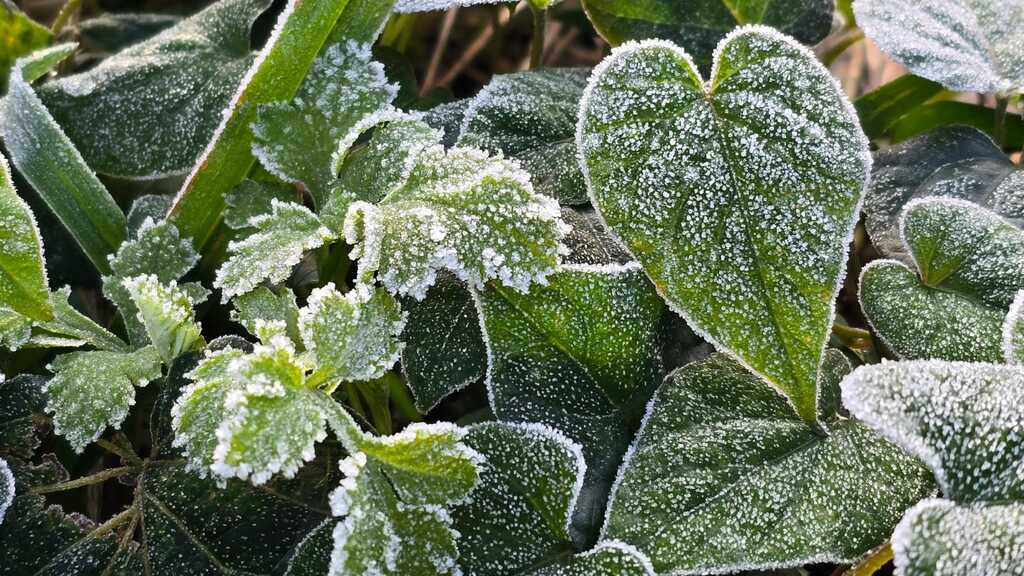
x,y
724,476
966,45
23,286
1013,332
738,195
698,25
964,420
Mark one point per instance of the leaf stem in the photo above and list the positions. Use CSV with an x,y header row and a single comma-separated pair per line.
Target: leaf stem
x,y
97,478
64,16
872,563
120,448
999,129
130,514
832,54
540,25
857,338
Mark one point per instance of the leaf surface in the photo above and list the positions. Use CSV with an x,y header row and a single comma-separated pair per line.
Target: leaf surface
x,y
166,311
270,306
1013,332
23,285
22,36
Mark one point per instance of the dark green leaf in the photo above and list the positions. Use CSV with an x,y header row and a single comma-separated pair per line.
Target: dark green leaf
x,y
110,33
883,106
22,416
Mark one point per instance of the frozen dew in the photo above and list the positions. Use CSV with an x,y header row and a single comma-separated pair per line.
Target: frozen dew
x,y
166,312
268,305
405,6
1013,332
15,329
447,118
608,558
23,282
6,486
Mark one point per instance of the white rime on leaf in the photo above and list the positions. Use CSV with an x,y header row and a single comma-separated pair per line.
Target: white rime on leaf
x,y
964,420
166,311
405,6
270,252
15,329
6,485
351,337
965,45
92,390
269,306
608,558
1013,332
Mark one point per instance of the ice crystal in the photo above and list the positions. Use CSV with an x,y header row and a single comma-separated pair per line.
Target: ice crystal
x,y
6,487
1013,332
447,118
23,283
738,195
166,312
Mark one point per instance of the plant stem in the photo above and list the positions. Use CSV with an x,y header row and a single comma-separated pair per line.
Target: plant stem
x,y
833,53
110,525
853,337
540,25
999,131
872,563
64,16
125,452
97,478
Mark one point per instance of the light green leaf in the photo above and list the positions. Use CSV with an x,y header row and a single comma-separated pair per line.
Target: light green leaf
x,y
251,199
699,25
270,306
609,558
149,110
1013,332
939,538
460,210
71,325
6,488
49,161
269,253
92,390
302,140
23,284
15,329
21,36
965,45
581,355
351,337
964,420
166,311
531,117
739,196
917,321
725,476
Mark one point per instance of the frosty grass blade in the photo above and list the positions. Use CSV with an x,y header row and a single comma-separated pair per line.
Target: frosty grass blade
x,y
964,420
166,311
918,322
716,440
739,196
23,284
965,45
406,6
1013,332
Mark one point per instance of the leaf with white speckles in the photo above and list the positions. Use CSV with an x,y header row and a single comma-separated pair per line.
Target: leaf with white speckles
x,y
404,6
251,199
939,538
92,390
312,557
725,476
917,321
447,118
581,355
22,405
15,329
71,328
301,140
965,45
149,110
531,116
6,488
739,196
590,241
270,306
268,254
609,558
166,312
965,420
1013,332
23,285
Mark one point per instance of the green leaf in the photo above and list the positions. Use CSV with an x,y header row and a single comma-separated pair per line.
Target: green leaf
x,y
591,242
312,556
21,36
953,113
609,558
351,337
447,118
962,419
302,140
270,306
581,355
917,321
73,327
166,311
956,162
939,538
92,390
60,175
15,329
968,45
146,210
21,415
106,34
531,117
725,476
6,488
23,284
276,75
251,199
739,196
883,106
149,110
699,25
1013,332
444,348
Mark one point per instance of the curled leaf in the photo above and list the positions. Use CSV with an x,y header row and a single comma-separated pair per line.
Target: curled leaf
x,y
166,311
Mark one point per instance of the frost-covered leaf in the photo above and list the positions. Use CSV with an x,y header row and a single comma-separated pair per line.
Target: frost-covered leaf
x,y
965,45
917,321
92,390
519,515
958,162
22,415
270,306
531,116
151,207
166,311
312,557
739,196
23,286
961,247
21,36
725,476
71,328
149,110
269,253
698,25
404,6
609,558
109,33
964,420
460,210
6,488
939,538
447,118
591,242
15,329
581,355
302,140
444,349
1013,332
251,199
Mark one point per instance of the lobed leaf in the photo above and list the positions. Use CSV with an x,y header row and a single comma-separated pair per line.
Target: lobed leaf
x,y
964,420
738,195
23,284
1013,332
270,306
166,311
70,327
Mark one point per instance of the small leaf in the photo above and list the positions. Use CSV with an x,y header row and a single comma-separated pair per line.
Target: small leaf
x,y
270,306
609,558
1013,332
70,324
966,45
939,538
6,488
145,210
21,35
738,195
724,476
269,253
15,329
92,390
22,405
251,199
166,311
351,337
447,118
917,321
964,420
531,117
23,284
300,141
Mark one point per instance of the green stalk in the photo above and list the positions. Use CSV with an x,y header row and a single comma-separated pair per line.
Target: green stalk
x,y
999,130
97,478
64,16
540,25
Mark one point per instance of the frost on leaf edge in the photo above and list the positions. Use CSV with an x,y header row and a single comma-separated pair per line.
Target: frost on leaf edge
x,y
1012,330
